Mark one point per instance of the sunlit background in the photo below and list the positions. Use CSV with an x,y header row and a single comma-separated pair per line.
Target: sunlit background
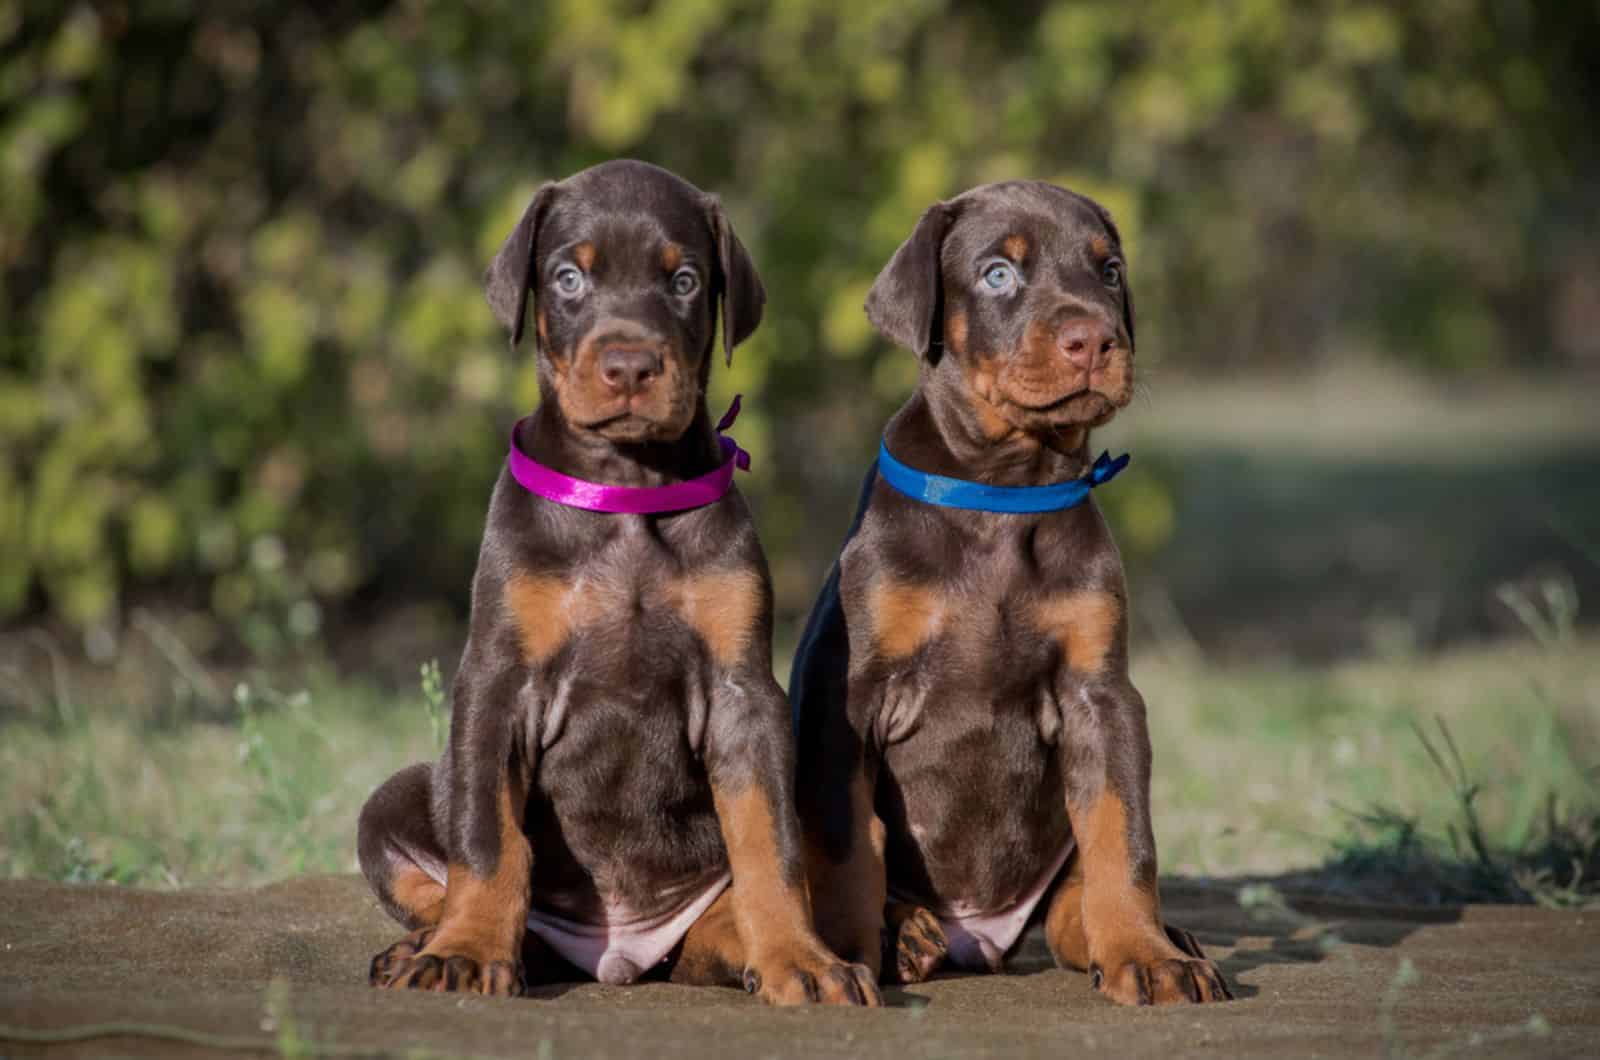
x,y
252,400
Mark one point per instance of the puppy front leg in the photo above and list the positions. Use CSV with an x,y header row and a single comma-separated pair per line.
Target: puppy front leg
x,y
476,946
1118,929
750,760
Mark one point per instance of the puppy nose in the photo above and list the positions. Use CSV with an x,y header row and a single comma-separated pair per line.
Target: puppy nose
x,y
1086,342
628,369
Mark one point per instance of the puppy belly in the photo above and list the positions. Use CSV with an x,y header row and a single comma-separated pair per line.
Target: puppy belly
x,y
623,947
979,939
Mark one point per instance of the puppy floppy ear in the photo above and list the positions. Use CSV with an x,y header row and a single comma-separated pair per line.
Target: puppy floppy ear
x,y
904,299
740,288
505,282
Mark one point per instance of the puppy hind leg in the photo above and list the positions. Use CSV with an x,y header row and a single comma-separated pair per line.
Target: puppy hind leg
x,y
914,943
396,847
711,953
1063,924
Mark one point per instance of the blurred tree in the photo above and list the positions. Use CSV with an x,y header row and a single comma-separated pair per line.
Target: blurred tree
x,y
243,352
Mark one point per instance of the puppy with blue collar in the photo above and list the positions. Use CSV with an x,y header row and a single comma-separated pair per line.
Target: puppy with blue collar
x,y
972,754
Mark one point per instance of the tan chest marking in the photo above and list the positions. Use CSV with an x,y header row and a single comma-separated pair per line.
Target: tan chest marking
x,y
548,611
722,607
904,616
1085,623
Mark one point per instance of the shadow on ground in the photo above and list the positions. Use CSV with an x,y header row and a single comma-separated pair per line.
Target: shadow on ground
x,y
250,966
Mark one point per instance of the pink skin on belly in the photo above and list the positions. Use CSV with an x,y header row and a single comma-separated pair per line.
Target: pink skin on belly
x,y
623,946
621,950
979,940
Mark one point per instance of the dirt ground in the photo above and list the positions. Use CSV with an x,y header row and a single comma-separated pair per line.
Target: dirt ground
x,y
1490,981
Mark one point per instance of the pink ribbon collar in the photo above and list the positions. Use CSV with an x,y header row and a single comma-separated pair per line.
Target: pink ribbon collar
x,y
698,492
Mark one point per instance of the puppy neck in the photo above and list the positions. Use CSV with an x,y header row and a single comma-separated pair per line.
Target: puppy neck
x,y
944,430
554,441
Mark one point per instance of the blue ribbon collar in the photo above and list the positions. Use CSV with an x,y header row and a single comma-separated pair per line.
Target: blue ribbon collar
x,y
977,497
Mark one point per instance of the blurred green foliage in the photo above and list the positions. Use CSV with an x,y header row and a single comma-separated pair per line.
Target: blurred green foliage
x,y
244,358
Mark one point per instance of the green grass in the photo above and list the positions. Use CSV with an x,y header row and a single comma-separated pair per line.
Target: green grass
x,y
1339,776
271,789
1472,775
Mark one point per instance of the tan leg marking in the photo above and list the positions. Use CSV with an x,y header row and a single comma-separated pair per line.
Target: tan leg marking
x,y
420,895
1063,924
712,953
1085,623
1130,954
487,915
786,963
477,945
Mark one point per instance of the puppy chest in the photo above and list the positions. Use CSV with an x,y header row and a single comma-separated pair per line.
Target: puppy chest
x,y
632,616
986,634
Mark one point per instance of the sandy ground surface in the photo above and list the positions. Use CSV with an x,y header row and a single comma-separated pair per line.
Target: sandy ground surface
x,y
206,961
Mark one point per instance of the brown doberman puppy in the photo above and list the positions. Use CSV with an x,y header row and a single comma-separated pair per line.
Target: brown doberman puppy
x,y
971,749
619,750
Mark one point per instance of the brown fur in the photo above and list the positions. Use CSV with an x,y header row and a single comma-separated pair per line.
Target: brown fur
x,y
1015,728
617,681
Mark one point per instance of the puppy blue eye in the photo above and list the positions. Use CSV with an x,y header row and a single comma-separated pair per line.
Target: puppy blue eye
x,y
1111,274
685,283
999,276
569,279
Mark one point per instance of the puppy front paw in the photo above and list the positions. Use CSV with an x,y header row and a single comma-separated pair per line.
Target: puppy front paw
x,y
811,975
421,961
1171,970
